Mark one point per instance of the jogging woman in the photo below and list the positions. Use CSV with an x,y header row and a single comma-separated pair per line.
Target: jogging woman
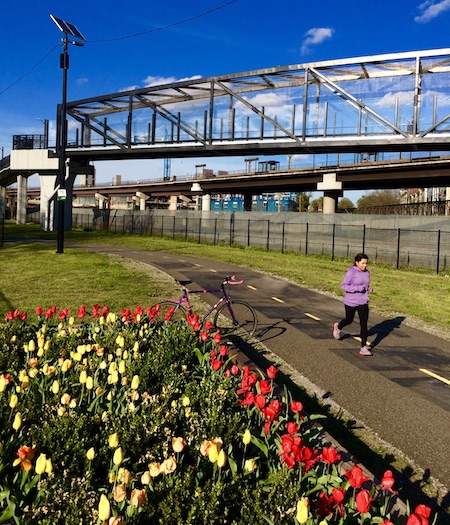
x,y
356,285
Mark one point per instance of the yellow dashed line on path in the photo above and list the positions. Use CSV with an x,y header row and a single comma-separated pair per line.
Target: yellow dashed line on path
x,y
251,287
198,265
312,316
211,270
277,300
432,374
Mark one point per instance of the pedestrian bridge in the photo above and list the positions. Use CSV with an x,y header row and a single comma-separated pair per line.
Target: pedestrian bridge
x,y
397,102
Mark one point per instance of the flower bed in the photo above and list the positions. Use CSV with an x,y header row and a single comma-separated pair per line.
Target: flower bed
x,y
129,419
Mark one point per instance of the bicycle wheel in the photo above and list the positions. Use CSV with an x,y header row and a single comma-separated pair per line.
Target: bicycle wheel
x,y
171,311
245,322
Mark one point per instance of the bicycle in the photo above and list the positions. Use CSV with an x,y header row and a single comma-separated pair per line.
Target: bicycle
x,y
233,318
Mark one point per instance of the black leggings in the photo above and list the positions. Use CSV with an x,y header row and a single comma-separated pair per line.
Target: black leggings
x,y
363,313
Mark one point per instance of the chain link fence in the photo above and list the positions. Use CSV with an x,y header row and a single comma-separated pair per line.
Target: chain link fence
x,y
411,245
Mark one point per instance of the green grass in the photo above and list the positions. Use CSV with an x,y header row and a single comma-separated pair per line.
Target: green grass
x,y
39,275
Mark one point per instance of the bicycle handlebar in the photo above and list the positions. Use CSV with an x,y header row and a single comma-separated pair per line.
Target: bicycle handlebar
x,y
232,281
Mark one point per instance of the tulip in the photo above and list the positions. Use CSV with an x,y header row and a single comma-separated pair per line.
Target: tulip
x,y
302,510
113,440
65,399
146,479
185,401
119,493
90,454
178,444
213,453
61,411
66,365
89,383
41,464
124,475
169,465
154,469
247,437
48,466
83,377
135,382
249,465
13,401
122,367
118,456
17,423
55,387
3,383
137,498
104,508
363,501
221,459
31,346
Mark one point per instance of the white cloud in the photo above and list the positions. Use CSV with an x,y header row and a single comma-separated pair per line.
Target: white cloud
x,y
431,9
81,81
156,81
315,36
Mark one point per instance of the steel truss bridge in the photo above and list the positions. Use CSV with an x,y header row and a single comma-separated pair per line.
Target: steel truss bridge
x,y
370,105
394,102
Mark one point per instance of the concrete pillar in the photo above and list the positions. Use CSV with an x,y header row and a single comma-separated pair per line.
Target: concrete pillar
x,y
22,199
330,202
206,202
101,200
2,200
332,189
49,194
173,202
248,202
142,200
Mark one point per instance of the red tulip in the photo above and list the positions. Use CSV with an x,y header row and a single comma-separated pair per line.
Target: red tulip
x,y
388,481
330,455
356,477
363,501
271,372
296,406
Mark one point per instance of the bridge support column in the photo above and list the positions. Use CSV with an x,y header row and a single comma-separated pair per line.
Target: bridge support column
x,y
248,202
49,190
21,217
332,189
173,202
2,200
142,200
206,202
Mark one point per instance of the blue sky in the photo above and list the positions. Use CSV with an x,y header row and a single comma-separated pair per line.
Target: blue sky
x,y
135,44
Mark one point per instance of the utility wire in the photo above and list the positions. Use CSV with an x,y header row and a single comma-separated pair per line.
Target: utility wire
x,y
30,70
162,28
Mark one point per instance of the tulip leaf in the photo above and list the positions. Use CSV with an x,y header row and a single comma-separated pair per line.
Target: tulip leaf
x,y
233,466
260,445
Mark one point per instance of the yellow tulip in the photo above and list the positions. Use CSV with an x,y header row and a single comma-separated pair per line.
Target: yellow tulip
x,y
31,346
302,510
185,401
146,479
61,411
247,437
113,440
122,367
73,403
124,475
112,367
41,464
90,454
71,320
221,459
17,421
104,508
89,383
249,465
2,383
118,456
23,374
135,382
154,469
55,387
48,466
102,320
13,401
66,365
213,453
83,377
47,345
65,399
26,382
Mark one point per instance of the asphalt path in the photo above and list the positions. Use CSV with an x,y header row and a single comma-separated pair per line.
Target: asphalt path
x,y
401,393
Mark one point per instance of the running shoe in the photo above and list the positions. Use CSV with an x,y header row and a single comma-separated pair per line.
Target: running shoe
x,y
365,351
336,331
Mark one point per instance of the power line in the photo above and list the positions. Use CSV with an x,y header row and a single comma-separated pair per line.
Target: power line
x,y
30,70
162,28
168,26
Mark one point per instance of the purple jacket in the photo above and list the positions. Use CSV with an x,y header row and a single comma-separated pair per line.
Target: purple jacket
x,y
355,286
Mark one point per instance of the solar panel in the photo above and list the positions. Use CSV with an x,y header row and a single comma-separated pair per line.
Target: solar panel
x,y
67,28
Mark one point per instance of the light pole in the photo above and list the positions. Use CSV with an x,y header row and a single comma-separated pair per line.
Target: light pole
x,y
68,30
